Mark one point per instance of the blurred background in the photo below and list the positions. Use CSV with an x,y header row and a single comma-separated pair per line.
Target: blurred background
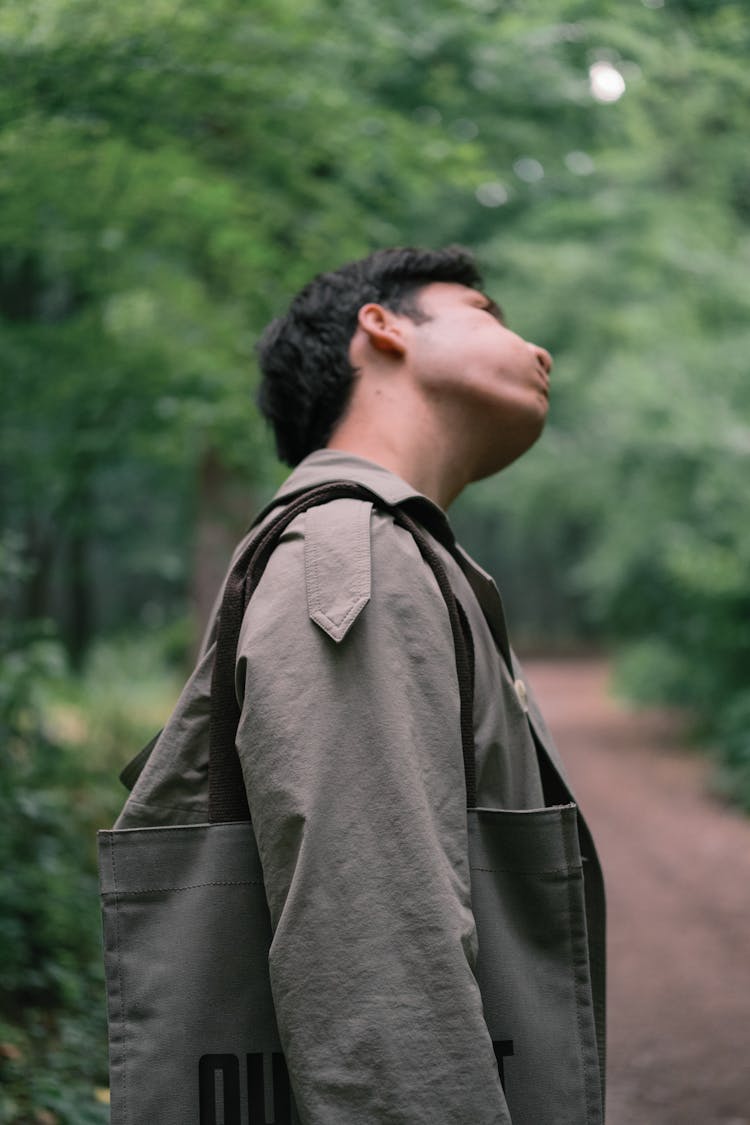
x,y
170,174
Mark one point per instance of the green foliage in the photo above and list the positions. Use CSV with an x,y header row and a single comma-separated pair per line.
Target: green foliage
x,y
733,734
52,1022
63,743
172,173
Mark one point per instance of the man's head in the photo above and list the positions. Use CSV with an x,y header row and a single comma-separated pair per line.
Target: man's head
x,y
308,377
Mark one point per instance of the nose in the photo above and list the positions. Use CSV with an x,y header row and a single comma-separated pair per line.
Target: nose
x,y
543,357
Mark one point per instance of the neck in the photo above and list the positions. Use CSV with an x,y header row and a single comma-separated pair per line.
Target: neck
x,y
409,443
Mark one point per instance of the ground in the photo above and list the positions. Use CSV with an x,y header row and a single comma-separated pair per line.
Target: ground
x,y
677,868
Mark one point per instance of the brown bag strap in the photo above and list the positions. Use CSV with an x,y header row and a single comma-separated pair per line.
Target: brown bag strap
x,y
226,789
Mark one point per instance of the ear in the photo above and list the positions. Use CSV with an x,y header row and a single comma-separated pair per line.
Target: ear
x,y
382,328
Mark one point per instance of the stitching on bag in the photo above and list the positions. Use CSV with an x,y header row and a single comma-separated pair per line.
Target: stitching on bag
x,y
575,984
529,870
177,828
190,887
123,1037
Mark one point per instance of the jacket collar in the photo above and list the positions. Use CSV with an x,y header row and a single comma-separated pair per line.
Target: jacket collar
x,y
326,465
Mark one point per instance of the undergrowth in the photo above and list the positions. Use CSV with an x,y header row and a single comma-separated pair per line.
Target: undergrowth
x,y
65,740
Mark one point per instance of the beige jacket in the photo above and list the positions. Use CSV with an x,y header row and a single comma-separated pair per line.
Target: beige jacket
x,y
350,747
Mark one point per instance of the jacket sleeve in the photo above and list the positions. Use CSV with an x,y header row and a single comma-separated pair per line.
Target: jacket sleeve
x,y
351,752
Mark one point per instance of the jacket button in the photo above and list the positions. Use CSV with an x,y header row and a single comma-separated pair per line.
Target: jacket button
x,y
523,699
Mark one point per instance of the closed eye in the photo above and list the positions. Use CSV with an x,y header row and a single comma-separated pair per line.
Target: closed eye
x,y
493,309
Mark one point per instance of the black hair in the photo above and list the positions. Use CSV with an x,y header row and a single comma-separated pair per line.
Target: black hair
x,y
307,379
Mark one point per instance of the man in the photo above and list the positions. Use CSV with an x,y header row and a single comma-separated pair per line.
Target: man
x,y
398,373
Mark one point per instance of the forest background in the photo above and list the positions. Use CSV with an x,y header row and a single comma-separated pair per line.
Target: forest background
x,y
170,173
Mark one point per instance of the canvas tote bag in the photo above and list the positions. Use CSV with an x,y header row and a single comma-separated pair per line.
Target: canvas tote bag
x,y
192,1033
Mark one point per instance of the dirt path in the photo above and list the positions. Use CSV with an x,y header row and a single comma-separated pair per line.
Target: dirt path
x,y
677,866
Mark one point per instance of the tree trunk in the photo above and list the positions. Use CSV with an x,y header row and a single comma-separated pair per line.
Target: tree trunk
x,y
224,510
39,556
80,624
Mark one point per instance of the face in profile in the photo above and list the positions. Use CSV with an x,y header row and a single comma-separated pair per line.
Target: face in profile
x,y
488,378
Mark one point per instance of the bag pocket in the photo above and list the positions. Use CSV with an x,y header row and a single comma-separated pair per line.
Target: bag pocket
x,y
192,1030
533,962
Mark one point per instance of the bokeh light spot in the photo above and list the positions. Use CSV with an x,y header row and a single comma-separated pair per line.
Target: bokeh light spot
x,y
492,194
606,82
528,169
579,163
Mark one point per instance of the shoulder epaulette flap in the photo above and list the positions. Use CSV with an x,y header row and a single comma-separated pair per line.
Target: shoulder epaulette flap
x,y
337,564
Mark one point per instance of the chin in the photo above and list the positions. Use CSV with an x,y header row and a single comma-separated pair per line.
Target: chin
x,y
511,448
